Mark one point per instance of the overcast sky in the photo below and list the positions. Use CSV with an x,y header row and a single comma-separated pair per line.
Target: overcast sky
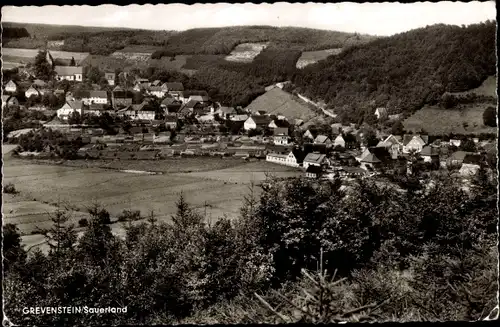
x,y
369,18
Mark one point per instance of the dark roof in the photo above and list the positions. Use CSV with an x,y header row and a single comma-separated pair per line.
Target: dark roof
x,y
68,70
97,106
278,148
261,120
315,157
167,101
429,151
458,155
191,104
281,123
98,94
314,169
474,159
370,158
281,131
299,154
174,86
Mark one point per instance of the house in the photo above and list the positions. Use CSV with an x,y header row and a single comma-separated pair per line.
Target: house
x,y
347,171
456,159
110,77
308,135
276,123
256,121
454,142
225,112
414,142
69,108
281,136
239,118
171,120
128,112
293,158
381,113
322,139
11,87
100,97
430,154
339,141
314,159
38,83
370,162
140,80
336,128
470,165
145,113
394,144
171,107
175,89
156,82
199,98
31,92
96,109
314,171
157,91
9,101
69,73
191,107
121,97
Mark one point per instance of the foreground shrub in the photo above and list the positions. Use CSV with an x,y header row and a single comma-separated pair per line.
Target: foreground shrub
x,y
9,188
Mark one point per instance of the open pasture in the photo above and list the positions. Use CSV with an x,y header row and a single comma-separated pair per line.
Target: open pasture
x,y
31,53
246,52
311,57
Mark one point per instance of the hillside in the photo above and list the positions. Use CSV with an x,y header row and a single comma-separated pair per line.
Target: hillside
x,y
277,101
403,72
223,40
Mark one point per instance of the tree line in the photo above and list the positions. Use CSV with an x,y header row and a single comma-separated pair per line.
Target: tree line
x,y
424,252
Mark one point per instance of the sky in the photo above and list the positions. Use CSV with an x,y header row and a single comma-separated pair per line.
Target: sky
x,y
367,18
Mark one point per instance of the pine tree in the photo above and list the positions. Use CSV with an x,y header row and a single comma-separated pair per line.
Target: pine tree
x,y
72,63
61,237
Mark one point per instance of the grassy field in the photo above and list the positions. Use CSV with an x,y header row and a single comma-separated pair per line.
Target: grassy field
x,y
438,121
311,57
127,61
488,88
277,101
215,187
31,53
246,52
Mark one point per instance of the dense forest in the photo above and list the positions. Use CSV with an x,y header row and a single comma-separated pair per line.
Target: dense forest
x,y
223,40
402,72
425,252
14,32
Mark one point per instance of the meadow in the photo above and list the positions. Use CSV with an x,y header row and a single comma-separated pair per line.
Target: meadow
x,y
215,187
311,57
246,52
31,53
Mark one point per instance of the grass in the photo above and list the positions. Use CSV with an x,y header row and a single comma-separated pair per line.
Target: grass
x,y
488,88
31,53
310,57
277,101
214,186
246,52
439,121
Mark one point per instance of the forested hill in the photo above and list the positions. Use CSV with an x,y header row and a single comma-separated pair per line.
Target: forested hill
x,y
223,40
402,72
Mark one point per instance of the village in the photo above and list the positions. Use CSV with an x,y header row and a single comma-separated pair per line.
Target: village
x,y
171,121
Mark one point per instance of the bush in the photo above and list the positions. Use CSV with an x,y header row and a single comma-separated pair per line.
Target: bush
x,y
489,117
129,215
9,188
83,222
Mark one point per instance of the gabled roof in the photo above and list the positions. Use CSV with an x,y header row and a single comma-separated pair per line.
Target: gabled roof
x,y
261,120
167,101
191,104
314,169
281,131
429,151
5,98
141,80
339,137
11,82
68,70
314,157
98,94
381,111
281,123
174,86
75,104
321,139
407,138
97,106
370,158
118,88
458,155
156,82
200,98
31,89
156,89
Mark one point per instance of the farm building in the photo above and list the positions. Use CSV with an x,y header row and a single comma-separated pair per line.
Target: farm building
x,y
281,136
69,73
110,77
314,159
31,92
293,158
69,108
11,87
9,101
430,154
414,142
256,121
381,113
313,171
99,97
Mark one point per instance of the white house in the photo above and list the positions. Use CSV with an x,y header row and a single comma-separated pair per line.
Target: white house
x,y
308,135
69,107
98,97
69,73
11,87
256,121
30,92
339,141
9,101
293,159
455,142
381,113
314,159
413,143
281,136
157,91
110,77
